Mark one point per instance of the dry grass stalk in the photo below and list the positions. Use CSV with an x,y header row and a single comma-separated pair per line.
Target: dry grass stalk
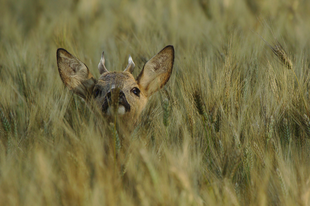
x,y
273,83
279,51
259,153
283,185
228,74
282,55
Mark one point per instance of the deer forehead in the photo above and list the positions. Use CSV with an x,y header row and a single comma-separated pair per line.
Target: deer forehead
x,y
117,79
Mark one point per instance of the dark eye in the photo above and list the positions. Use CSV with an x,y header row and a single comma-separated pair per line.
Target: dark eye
x,y
136,91
96,92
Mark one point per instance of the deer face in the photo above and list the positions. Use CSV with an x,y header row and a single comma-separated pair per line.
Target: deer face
x,y
117,93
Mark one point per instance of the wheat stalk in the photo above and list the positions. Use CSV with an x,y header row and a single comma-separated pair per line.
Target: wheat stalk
x,y
279,51
5,122
283,185
166,111
282,55
199,103
270,129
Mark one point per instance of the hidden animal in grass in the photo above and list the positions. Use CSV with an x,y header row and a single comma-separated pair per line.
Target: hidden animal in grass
x,y
117,93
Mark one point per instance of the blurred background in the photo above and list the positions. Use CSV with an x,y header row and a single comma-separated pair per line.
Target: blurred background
x,y
231,127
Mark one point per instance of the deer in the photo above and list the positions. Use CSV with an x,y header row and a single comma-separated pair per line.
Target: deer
x,y
117,94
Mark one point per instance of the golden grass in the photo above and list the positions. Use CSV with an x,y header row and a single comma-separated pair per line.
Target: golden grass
x,y
231,127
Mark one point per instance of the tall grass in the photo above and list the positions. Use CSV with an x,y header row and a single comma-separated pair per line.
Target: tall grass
x,y
231,127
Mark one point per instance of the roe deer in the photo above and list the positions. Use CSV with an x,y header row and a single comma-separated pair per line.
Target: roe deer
x,y
117,93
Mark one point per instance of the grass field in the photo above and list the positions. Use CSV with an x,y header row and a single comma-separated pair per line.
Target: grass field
x,y
231,127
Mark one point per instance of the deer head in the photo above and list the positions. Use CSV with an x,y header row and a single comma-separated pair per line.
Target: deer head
x,y
117,93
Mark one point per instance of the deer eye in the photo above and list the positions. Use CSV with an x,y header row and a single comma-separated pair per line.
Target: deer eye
x,y
96,92
136,91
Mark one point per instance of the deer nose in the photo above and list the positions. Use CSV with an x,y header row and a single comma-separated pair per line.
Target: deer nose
x,y
115,98
109,95
120,95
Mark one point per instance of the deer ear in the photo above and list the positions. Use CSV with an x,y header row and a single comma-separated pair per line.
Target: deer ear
x,y
156,72
74,74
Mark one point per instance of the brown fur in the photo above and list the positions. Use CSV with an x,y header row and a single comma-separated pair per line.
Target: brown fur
x,y
154,75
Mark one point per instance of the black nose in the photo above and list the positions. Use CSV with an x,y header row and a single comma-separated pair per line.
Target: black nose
x,y
109,95
121,101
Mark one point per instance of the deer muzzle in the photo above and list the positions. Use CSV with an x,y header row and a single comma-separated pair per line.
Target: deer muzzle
x,y
115,103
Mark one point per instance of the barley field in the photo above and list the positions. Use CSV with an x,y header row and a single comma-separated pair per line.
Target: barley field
x,y
231,127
